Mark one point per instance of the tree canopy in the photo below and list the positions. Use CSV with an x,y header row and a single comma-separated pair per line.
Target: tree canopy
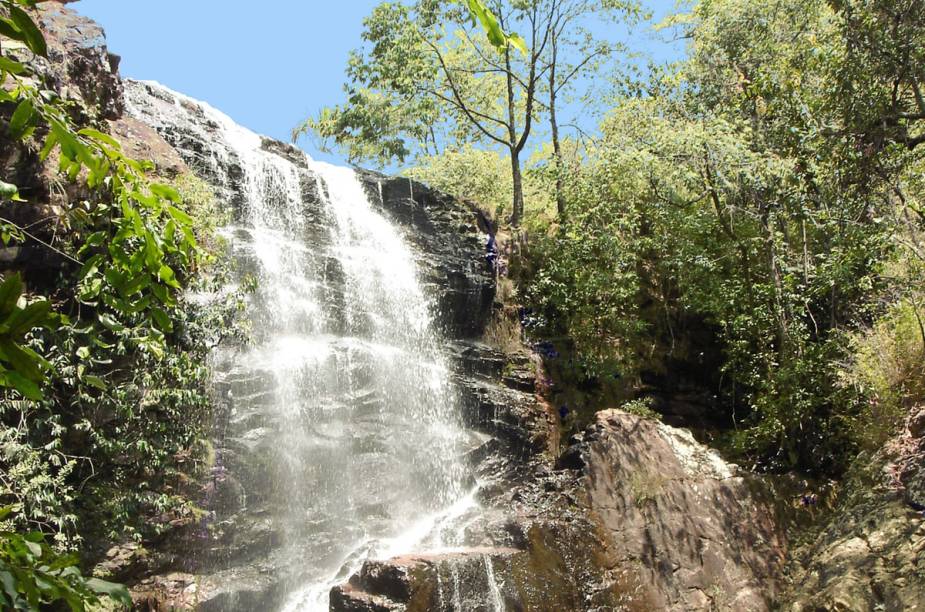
x,y
429,77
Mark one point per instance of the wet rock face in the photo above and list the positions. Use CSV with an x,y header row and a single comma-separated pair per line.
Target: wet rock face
x,y
678,517
451,238
192,134
498,398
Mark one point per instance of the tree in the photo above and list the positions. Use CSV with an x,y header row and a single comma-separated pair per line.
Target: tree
x,y
756,196
420,84
575,52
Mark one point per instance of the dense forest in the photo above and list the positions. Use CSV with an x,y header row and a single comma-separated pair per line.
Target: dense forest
x,y
748,222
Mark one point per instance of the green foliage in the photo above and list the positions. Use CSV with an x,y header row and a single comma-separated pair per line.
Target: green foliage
x,y
484,178
473,174
752,197
34,576
641,407
21,368
130,242
103,382
887,365
386,112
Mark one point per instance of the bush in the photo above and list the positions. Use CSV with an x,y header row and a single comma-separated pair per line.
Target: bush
x,y
888,371
34,577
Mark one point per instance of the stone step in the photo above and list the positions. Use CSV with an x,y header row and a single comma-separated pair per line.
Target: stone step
x,y
350,599
461,579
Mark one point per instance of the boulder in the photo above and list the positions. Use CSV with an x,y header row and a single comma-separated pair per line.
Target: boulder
x,y
638,516
677,516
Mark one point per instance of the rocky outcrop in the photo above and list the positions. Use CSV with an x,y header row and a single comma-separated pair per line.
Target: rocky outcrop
x,y
81,70
870,553
463,580
673,513
79,65
637,516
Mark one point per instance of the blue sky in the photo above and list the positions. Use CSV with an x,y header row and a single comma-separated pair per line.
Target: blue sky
x,y
266,64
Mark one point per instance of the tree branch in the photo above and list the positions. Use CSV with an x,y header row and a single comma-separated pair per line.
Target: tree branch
x,y
458,97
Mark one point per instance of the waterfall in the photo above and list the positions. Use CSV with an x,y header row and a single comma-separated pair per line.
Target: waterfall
x,y
342,423
388,410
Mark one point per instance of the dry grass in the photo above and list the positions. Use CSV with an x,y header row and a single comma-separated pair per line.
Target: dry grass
x,y
889,369
503,331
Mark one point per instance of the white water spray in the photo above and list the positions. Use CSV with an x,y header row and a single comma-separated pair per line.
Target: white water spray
x,y
342,414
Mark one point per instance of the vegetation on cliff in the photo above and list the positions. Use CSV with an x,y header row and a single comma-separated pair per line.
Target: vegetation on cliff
x,y
757,206
102,360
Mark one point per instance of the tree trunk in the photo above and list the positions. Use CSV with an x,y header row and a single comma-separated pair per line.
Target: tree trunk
x,y
554,126
557,156
518,204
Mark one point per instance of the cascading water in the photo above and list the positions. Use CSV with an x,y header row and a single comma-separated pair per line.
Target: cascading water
x,y
344,393
386,461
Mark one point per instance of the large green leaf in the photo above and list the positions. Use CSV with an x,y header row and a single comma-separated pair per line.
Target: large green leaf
x,y
8,190
115,591
101,138
25,361
496,35
179,215
10,290
32,36
13,67
21,119
33,315
23,385
9,29
166,192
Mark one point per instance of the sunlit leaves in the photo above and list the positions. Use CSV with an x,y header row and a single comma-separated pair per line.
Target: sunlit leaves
x,y
499,39
755,192
21,368
19,26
